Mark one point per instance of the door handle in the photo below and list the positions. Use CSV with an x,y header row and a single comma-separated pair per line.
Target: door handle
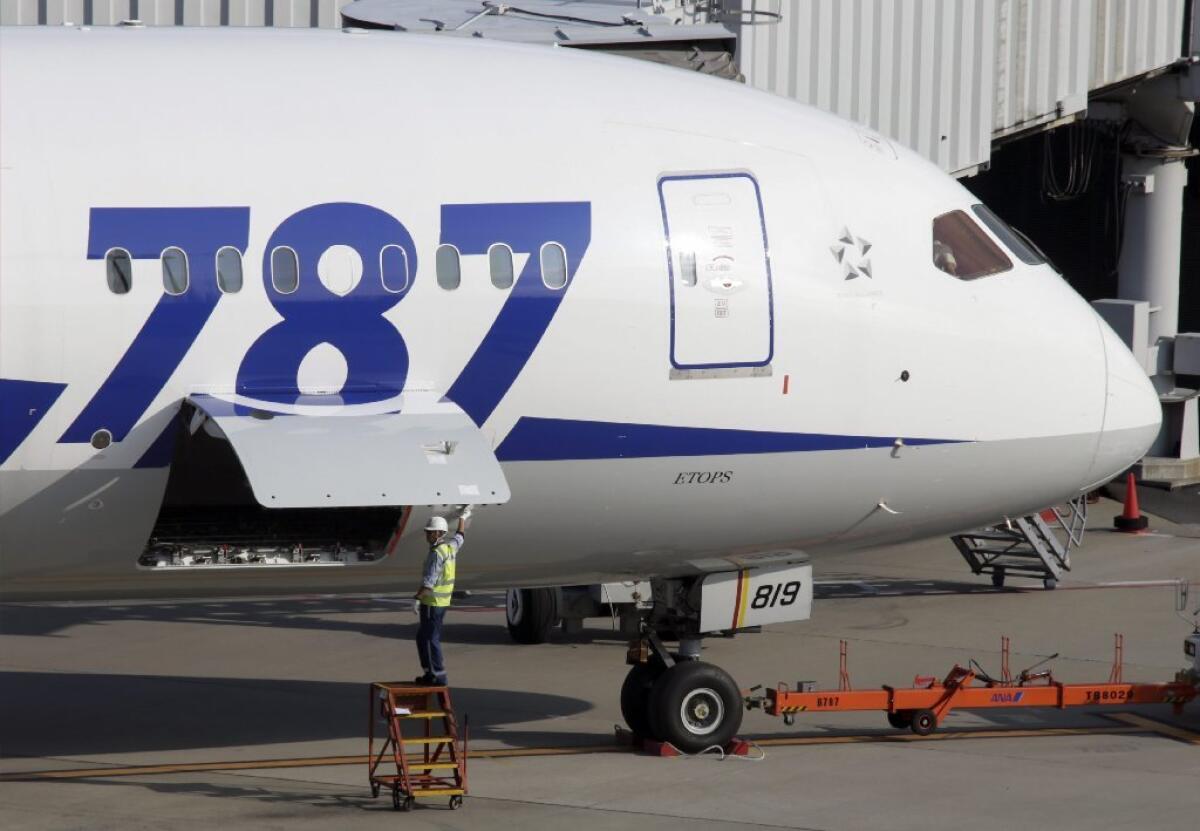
x,y
687,268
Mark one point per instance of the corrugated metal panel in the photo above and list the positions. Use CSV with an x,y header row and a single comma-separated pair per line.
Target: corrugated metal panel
x,y
203,13
79,12
1132,37
248,12
19,12
1042,50
156,12
919,71
324,13
1194,31
58,12
304,12
107,12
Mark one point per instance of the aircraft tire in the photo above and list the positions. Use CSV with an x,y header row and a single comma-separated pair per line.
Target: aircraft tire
x,y
530,614
635,697
695,706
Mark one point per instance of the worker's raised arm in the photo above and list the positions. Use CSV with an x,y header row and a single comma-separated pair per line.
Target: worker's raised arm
x,y
463,516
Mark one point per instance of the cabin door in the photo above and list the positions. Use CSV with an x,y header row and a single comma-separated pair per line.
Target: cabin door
x,y
719,271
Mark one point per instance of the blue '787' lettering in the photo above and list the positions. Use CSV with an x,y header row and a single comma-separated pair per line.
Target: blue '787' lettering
x,y
176,320
376,356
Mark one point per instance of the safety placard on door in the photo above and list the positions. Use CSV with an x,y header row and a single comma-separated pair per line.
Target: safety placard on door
x,y
719,270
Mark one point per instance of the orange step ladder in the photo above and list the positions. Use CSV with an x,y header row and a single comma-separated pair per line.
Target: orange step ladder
x,y
439,767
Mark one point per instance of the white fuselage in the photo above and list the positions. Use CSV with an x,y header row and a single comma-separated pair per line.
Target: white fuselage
x,y
649,424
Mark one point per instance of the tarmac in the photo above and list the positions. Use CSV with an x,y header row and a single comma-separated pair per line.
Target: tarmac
x,y
251,713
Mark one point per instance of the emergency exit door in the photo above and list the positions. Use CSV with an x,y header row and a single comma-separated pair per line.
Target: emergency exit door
x,y
719,271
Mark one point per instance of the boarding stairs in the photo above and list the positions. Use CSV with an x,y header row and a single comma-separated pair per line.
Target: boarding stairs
x,y
1038,545
438,767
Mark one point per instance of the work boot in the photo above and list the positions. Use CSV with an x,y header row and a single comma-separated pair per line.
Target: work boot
x,y
427,679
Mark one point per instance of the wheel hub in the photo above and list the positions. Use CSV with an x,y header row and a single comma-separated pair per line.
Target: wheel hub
x,y
702,711
514,606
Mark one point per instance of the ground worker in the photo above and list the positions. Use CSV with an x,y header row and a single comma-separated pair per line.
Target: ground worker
x,y
437,588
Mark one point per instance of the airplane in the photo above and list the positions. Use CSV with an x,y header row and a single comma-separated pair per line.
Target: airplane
x,y
265,295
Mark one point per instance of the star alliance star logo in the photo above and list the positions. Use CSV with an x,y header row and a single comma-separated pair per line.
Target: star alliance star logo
x,y
851,253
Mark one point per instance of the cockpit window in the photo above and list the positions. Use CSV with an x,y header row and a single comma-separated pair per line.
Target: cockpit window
x,y
962,249
1013,240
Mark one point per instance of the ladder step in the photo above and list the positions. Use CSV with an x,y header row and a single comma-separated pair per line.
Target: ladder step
x,y
433,765
423,714
390,778
437,792
431,740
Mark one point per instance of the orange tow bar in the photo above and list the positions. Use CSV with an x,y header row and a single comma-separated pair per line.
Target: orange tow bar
x,y
925,705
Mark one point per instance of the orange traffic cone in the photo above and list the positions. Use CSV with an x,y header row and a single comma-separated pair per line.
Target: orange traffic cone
x,y
1131,520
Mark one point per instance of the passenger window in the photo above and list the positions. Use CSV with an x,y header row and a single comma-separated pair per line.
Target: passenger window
x,y
393,266
1013,239
500,264
174,271
449,270
120,271
554,265
962,249
229,270
285,270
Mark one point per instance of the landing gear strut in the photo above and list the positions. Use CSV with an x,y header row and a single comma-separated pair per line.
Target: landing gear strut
x,y
674,696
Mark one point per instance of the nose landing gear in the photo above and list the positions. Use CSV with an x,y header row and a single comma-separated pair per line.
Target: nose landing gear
x,y
694,706
680,699
674,697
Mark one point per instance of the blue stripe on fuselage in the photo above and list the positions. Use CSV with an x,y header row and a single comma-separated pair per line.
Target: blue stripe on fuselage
x,y
555,439
23,404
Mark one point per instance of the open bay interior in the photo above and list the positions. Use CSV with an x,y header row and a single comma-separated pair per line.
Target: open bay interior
x,y
211,519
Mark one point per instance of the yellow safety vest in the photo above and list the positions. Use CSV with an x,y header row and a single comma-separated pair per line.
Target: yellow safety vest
x,y
444,588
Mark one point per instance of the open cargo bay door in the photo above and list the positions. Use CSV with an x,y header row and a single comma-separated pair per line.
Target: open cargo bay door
x,y
334,457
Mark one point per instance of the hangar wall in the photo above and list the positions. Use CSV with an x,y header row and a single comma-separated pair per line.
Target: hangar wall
x,y
174,12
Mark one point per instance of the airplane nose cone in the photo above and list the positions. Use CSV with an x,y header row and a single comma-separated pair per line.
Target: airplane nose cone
x,y
1132,413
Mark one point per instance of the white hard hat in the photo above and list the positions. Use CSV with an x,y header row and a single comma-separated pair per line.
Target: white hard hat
x,y
437,523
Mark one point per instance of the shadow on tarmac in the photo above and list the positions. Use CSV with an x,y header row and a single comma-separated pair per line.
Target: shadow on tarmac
x,y
44,714
278,793
329,613
290,613
52,621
